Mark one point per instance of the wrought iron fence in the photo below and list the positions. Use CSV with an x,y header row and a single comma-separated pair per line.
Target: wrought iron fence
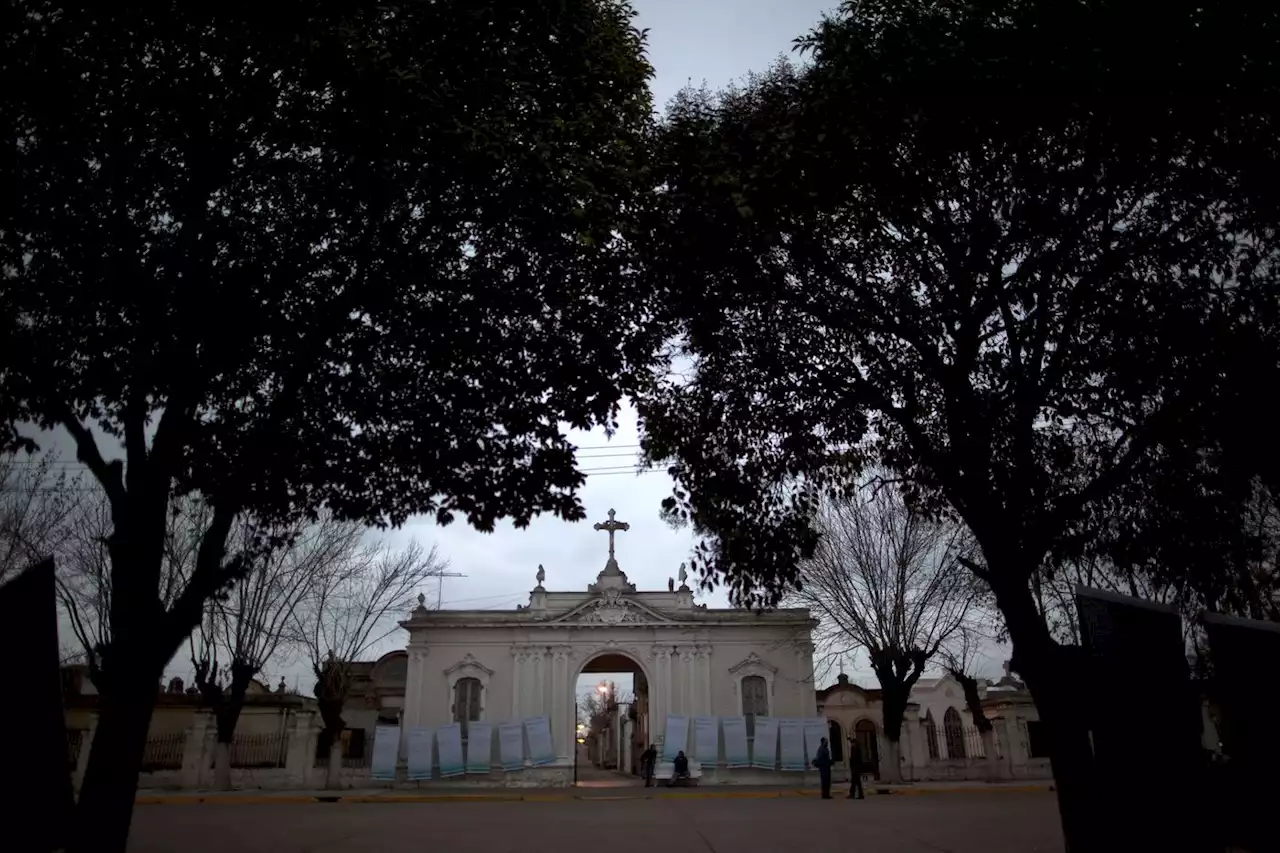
x,y
973,745
75,738
164,752
954,742
261,750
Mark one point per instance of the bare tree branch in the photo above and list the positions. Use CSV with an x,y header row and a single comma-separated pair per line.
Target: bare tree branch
x,y
36,499
889,580
349,610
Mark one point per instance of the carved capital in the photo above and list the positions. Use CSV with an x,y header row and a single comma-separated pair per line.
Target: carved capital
x,y
661,653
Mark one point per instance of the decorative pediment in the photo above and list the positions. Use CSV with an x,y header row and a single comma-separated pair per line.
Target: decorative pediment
x,y
611,608
753,664
468,666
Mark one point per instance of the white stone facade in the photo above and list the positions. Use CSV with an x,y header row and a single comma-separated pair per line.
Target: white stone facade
x,y
527,661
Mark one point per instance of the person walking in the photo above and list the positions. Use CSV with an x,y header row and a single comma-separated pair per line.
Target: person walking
x,y
823,762
647,760
855,768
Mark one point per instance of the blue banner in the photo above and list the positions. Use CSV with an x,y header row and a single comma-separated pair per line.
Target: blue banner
x,y
791,737
735,742
706,740
449,750
480,748
541,749
764,749
386,751
420,742
511,746
676,738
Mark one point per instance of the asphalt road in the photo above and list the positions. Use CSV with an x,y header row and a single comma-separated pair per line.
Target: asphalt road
x,y
988,822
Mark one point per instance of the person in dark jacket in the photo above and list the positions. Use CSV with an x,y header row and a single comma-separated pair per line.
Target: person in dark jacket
x,y
855,768
822,761
680,772
648,759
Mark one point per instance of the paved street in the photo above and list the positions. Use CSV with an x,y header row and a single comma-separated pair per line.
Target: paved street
x,y
988,822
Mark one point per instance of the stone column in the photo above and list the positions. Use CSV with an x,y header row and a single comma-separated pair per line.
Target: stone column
x,y
912,742
704,674
1015,751
805,686
301,749
539,691
688,682
660,689
562,716
197,751
415,712
518,657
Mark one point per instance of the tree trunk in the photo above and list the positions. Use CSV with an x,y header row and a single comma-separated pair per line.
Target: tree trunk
x,y
1084,826
104,811
227,715
891,767
895,691
1052,673
333,778
222,766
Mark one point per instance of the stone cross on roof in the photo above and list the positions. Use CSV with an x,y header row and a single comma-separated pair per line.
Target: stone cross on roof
x,y
612,527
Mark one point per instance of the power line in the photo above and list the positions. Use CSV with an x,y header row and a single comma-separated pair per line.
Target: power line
x,y
74,463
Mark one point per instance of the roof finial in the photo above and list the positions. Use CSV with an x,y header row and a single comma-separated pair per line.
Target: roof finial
x,y
541,576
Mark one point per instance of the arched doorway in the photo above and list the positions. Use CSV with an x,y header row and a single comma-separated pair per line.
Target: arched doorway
x,y
835,737
611,720
869,744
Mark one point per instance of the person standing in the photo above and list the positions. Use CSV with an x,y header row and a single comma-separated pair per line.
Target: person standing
x,y
822,761
855,768
647,760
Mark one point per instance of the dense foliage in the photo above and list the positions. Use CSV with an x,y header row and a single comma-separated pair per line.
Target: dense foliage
x,y
361,255
1021,254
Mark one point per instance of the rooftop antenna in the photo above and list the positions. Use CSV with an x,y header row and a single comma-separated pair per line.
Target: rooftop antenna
x,y
440,575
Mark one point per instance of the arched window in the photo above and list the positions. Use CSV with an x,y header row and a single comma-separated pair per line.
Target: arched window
x,y
835,737
755,700
931,735
953,730
869,745
466,702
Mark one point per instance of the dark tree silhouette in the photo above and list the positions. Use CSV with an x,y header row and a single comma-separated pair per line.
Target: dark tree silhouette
x,y
1019,254
366,256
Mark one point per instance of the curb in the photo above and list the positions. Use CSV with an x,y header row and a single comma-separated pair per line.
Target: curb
x,y
274,799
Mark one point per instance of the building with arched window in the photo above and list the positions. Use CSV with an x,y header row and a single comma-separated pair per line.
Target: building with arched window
x,y
939,739
501,666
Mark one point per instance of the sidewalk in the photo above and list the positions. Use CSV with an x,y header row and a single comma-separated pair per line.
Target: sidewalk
x,y
535,795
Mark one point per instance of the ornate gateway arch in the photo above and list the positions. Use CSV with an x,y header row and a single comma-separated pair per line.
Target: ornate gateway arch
x,y
524,662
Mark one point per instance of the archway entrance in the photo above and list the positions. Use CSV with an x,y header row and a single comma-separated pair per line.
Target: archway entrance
x,y
835,737
611,702
869,744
